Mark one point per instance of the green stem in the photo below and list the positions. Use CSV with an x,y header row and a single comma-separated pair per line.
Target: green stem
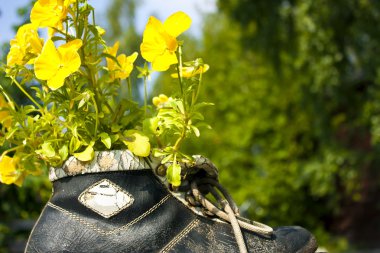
x,y
129,87
8,98
67,29
198,88
179,69
109,107
180,78
94,24
182,137
96,116
26,93
145,95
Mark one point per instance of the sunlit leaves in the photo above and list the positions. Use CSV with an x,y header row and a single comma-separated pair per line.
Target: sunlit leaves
x,y
137,142
87,154
173,174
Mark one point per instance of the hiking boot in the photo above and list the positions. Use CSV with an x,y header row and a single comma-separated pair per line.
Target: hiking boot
x,y
121,203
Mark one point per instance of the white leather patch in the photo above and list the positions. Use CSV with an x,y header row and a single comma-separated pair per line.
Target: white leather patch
x,y
106,198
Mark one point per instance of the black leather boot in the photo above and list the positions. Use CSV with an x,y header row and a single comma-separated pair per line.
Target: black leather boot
x,y
119,203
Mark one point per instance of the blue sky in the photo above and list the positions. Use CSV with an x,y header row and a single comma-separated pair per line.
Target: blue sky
x,y
160,8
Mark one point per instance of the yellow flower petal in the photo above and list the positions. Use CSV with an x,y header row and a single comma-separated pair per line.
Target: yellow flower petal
x,y
177,23
160,100
54,65
4,114
68,2
48,62
126,64
111,64
48,13
154,43
163,62
71,45
8,171
132,58
70,59
159,40
26,43
57,80
15,56
113,50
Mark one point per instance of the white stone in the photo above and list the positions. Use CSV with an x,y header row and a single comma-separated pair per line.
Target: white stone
x,y
106,198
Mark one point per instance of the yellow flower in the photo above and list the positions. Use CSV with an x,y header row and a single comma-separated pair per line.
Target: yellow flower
x,y
54,65
8,171
126,65
50,13
112,51
25,46
125,68
192,71
160,100
159,40
4,114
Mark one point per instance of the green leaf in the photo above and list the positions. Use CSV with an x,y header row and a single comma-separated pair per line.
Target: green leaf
x,y
110,57
173,174
181,107
196,131
11,133
57,38
114,137
150,125
167,159
137,142
64,152
158,152
87,154
200,105
81,103
197,116
115,128
75,143
106,139
47,150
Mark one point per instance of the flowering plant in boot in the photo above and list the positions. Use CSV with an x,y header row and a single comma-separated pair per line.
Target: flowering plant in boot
x,y
75,76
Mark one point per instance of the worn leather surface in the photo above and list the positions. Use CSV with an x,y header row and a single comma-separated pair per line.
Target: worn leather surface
x,y
155,222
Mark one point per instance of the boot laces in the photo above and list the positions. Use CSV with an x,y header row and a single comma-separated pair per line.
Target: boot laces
x,y
224,208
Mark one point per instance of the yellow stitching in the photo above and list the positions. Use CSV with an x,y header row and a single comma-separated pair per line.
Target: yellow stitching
x,y
110,232
75,217
176,239
144,214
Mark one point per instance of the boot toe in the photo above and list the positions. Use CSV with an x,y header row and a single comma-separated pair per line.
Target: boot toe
x,y
296,239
